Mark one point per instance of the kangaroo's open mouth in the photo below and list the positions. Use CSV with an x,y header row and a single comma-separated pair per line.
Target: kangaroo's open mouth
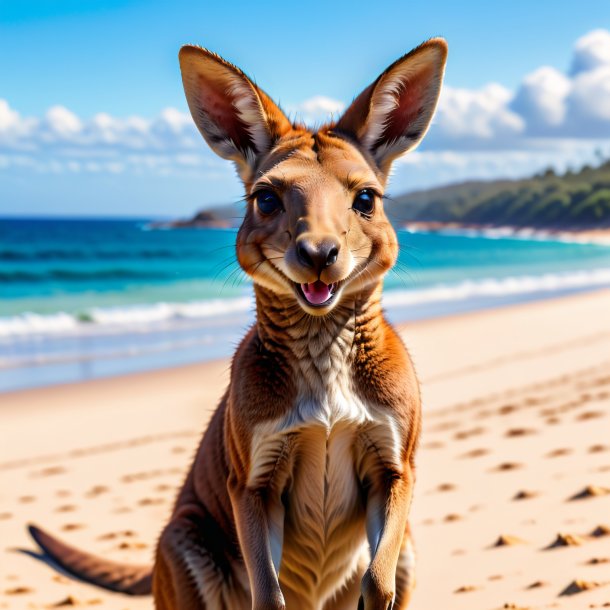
x,y
317,293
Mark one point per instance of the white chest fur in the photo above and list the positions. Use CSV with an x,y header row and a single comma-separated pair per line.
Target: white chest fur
x,y
315,450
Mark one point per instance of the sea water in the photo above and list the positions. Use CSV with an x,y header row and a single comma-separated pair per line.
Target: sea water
x,y
89,298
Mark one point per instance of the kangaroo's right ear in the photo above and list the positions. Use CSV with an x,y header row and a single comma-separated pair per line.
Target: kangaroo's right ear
x,y
236,118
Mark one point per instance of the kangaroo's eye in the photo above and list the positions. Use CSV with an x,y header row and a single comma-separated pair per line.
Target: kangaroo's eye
x,y
268,202
364,202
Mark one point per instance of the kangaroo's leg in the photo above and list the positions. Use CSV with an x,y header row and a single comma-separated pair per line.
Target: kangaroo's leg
x,y
388,506
191,574
405,572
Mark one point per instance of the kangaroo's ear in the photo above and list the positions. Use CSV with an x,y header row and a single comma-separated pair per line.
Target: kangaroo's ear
x,y
236,118
392,115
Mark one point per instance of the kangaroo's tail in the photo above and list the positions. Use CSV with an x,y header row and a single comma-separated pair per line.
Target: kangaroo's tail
x,y
133,580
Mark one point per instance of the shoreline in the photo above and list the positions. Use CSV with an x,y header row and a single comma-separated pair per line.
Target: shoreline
x,y
77,351
600,237
516,399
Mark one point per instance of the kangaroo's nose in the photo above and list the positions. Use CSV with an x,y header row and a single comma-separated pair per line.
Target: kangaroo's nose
x,y
317,255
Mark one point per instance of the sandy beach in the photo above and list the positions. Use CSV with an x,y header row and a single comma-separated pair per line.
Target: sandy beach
x,y
512,502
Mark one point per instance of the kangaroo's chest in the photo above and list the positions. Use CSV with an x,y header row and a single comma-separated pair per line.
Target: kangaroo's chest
x,y
316,454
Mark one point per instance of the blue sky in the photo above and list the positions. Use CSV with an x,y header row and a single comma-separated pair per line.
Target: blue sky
x,y
93,118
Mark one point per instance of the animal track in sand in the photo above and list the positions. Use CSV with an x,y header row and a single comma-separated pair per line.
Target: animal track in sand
x,y
506,466
70,600
598,448
590,491
96,490
560,452
466,589
475,453
464,434
565,540
525,494
600,531
517,432
21,590
132,546
113,535
49,472
143,476
506,540
587,415
578,586
537,585
150,501
443,487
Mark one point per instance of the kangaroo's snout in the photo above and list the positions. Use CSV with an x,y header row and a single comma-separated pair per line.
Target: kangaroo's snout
x,y
317,254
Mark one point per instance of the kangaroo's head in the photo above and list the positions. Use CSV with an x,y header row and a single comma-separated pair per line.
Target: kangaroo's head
x,y
314,229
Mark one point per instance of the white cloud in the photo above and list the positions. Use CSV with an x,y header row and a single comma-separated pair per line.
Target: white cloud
x,y
541,99
553,117
316,110
465,116
591,51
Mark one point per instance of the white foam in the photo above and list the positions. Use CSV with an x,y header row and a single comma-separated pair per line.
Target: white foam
x,y
142,318
498,287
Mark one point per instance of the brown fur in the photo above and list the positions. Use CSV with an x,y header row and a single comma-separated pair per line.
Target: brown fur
x,y
310,454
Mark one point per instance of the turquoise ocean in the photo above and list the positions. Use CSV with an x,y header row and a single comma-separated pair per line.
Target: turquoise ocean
x,y
81,299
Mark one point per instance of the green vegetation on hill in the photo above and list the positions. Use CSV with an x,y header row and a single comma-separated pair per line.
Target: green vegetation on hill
x,y
574,200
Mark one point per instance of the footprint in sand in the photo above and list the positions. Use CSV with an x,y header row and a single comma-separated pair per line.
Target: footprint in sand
x,y
70,600
150,501
464,434
466,589
96,490
451,517
18,591
525,494
517,432
65,508
443,487
558,452
595,561
49,472
27,499
131,546
537,585
506,540
598,448
563,540
590,491
506,466
578,586
600,531
6,516
587,415
70,527
475,453
113,535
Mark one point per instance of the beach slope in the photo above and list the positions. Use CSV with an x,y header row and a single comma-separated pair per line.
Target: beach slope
x,y
512,503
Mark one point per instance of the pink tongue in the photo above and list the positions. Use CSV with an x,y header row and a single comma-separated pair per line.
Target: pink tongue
x,y
316,293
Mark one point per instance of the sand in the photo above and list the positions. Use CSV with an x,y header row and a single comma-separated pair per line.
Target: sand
x,y
511,507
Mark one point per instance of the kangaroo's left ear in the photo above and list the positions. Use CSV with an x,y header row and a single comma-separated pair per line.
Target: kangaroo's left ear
x,y
237,119
392,115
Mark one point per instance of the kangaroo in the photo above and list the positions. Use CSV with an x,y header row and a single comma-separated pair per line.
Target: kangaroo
x,y
299,494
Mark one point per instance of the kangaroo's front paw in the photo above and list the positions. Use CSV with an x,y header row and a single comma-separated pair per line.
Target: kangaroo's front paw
x,y
375,595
